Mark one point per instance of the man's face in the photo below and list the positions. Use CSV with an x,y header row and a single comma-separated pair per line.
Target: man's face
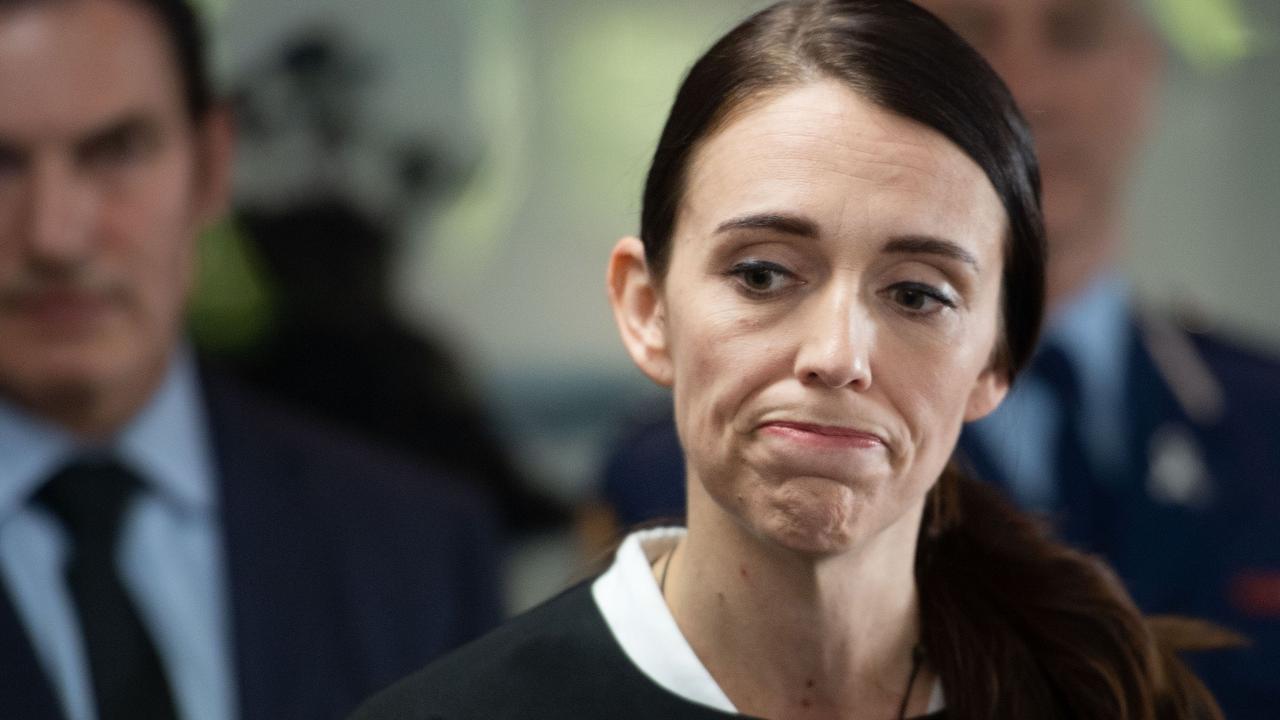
x,y
1083,73
104,183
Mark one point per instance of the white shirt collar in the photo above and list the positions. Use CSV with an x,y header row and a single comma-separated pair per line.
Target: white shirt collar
x,y
633,607
30,451
167,443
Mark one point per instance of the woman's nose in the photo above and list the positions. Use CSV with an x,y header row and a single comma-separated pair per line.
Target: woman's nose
x,y
836,342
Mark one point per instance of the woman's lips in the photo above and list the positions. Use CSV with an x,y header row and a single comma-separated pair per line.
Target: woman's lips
x,y
826,436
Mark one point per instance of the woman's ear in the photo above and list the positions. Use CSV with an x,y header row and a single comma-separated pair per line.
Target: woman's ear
x,y
638,310
987,393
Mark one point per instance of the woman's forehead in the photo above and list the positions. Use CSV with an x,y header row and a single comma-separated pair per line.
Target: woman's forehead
x,y
823,150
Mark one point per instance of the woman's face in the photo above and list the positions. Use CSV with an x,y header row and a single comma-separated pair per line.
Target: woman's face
x,y
828,317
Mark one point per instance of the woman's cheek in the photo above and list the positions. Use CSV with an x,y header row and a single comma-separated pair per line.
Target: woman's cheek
x,y
723,340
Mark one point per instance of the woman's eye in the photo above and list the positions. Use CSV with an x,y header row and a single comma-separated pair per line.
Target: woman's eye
x,y
761,278
920,298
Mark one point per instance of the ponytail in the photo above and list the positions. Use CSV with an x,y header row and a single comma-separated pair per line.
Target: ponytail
x,y
1018,625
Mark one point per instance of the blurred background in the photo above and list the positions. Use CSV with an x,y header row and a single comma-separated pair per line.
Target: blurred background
x,y
460,169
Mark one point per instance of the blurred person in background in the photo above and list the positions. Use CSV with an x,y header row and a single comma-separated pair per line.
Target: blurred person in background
x,y
1150,443
327,231
1147,442
171,546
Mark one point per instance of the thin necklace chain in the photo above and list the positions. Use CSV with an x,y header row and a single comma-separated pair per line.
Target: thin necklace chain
x,y
917,652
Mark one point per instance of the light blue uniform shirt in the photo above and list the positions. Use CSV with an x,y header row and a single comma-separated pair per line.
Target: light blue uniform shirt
x,y
1093,330
170,554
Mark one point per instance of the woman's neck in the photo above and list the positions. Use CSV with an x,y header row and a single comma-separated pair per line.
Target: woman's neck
x,y
789,635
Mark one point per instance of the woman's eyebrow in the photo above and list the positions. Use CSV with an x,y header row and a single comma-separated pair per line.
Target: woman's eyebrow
x,y
804,227
929,245
777,222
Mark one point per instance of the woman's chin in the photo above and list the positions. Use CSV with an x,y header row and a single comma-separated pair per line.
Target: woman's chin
x,y
813,516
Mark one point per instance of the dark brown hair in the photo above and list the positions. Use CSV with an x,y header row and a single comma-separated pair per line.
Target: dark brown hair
x,y
902,59
1015,624
1018,625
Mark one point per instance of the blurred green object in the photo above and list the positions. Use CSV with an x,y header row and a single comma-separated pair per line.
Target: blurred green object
x,y
1211,34
232,307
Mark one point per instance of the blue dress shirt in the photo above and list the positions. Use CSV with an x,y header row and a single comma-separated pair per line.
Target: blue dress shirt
x,y
170,555
1093,330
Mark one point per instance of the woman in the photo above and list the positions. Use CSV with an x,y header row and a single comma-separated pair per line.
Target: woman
x,y
840,262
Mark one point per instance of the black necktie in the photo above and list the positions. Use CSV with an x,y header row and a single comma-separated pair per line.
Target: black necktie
x,y
127,679
1080,496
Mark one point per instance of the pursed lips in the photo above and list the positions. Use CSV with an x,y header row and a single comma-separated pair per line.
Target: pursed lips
x,y
823,435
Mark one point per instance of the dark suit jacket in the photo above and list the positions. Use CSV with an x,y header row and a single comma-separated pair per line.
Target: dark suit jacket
x,y
348,568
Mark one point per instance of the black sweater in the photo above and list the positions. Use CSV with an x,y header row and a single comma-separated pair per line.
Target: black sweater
x,y
559,660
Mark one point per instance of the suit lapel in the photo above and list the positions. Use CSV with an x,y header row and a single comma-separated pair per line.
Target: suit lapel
x,y
282,594
1171,429
1161,546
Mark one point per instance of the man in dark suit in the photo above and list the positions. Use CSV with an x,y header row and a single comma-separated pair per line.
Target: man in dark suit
x,y
170,546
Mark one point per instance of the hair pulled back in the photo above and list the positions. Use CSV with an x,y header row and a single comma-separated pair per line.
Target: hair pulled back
x,y
1015,624
899,57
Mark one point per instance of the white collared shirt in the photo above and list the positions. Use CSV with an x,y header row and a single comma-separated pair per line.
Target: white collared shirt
x,y
638,616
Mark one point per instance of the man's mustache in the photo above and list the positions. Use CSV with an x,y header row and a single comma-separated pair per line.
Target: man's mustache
x,y
32,285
